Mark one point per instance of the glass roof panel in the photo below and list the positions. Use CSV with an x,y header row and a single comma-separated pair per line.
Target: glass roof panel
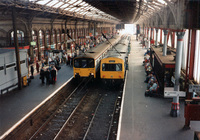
x,y
64,6
42,2
52,3
58,5
78,6
72,1
72,9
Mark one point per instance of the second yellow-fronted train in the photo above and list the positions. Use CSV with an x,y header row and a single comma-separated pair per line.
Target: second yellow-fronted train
x,y
113,66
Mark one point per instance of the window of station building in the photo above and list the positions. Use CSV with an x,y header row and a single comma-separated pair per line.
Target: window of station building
x,y
20,37
111,67
48,37
54,37
58,36
35,47
41,38
41,41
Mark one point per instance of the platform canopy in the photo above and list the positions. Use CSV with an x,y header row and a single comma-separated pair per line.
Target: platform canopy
x,y
112,11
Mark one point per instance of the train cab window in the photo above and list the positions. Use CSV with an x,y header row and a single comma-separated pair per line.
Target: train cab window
x,y
90,63
111,67
76,63
84,63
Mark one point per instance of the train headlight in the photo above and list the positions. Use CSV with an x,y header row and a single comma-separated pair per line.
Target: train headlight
x,y
92,73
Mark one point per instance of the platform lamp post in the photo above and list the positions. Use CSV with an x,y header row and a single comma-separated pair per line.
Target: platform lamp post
x,y
175,104
16,48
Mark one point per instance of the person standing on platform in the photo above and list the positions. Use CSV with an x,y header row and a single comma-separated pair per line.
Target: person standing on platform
x,y
152,41
53,75
37,66
66,59
32,71
42,75
68,62
47,75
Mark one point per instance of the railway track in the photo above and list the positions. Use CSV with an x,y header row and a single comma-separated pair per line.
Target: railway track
x,y
84,111
55,122
93,117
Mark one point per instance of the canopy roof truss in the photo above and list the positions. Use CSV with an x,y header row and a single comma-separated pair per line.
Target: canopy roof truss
x,y
72,8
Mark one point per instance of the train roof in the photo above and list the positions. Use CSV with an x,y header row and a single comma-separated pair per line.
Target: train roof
x,y
122,49
96,51
5,50
2,51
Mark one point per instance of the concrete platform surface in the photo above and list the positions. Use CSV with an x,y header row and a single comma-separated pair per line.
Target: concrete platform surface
x,y
147,118
15,105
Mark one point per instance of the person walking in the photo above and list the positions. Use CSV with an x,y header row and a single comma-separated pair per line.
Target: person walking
x,y
42,75
37,66
32,71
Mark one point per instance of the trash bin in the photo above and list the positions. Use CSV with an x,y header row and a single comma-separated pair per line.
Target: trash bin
x,y
24,81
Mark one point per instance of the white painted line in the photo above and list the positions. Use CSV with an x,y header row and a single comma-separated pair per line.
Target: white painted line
x,y
121,110
27,115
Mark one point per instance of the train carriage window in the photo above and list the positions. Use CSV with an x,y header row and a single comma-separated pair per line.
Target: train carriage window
x,y
111,67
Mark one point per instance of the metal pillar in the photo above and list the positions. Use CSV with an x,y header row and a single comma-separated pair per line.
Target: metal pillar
x,y
175,104
156,43
95,26
16,49
165,42
148,39
151,35
38,45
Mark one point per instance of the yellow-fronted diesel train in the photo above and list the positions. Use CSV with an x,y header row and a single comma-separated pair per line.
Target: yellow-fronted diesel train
x,y
113,66
88,64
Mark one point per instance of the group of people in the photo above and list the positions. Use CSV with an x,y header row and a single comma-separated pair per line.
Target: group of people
x,y
152,83
49,74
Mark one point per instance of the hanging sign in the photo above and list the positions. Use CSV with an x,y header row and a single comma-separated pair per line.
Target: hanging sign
x,y
33,43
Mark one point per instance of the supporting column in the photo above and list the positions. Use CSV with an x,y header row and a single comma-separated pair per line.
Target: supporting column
x,y
95,25
38,45
151,36
75,34
16,49
165,42
148,39
156,42
175,104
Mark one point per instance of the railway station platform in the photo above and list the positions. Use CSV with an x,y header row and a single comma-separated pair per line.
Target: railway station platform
x,y
148,118
15,105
